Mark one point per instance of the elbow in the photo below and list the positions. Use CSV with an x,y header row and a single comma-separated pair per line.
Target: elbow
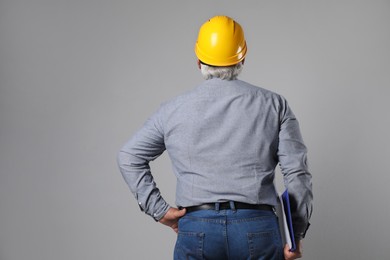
x,y
127,161
122,159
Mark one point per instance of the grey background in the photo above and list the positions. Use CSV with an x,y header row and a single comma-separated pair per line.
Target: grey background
x,y
77,78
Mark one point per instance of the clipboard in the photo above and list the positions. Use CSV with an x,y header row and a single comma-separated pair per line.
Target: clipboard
x,y
285,221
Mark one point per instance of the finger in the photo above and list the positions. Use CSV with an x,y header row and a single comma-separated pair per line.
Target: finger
x,y
180,213
288,255
175,227
287,250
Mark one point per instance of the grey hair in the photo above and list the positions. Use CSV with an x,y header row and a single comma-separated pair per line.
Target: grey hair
x,y
227,73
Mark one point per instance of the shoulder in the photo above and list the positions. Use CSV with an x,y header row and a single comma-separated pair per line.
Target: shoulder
x,y
177,103
261,91
179,99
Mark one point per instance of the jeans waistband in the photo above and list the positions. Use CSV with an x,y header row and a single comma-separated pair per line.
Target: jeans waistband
x,y
229,205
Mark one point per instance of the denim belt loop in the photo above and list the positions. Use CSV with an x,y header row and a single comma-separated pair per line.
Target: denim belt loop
x,y
217,206
232,206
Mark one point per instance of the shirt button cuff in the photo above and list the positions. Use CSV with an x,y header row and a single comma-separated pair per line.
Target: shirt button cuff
x,y
140,206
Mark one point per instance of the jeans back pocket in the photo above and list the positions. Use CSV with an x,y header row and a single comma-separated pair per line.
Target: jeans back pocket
x,y
264,246
189,245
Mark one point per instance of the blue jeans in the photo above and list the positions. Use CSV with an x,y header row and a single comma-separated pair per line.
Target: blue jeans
x,y
229,234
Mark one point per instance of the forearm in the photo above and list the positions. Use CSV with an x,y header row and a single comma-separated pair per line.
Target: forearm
x,y
300,193
292,154
133,160
136,173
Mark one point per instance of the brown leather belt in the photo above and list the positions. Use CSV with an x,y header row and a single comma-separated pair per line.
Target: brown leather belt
x,y
226,205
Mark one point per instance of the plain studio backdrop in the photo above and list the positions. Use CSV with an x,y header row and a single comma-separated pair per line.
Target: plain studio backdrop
x,y
78,78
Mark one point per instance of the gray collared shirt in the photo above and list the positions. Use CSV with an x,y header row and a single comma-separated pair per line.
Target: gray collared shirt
x,y
224,139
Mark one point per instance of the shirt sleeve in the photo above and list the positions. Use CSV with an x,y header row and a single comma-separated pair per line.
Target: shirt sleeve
x,y
292,155
133,161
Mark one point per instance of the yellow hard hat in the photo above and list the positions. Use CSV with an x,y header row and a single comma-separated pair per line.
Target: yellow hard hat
x,y
221,42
